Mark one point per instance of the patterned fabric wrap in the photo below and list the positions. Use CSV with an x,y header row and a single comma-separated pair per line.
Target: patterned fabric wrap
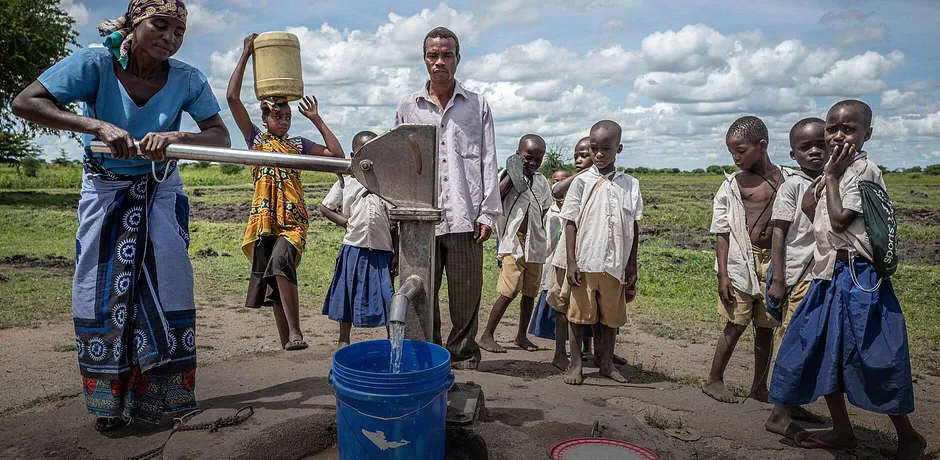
x,y
277,207
119,33
133,236
140,396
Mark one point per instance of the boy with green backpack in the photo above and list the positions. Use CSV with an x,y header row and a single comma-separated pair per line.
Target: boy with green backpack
x,y
848,336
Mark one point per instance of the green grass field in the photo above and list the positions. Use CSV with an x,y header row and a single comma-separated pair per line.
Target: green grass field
x,y
677,282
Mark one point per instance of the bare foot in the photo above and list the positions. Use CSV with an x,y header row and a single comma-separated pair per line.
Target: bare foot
x,y
525,344
619,361
341,345
488,343
912,449
718,391
611,372
801,414
781,424
561,362
827,440
574,376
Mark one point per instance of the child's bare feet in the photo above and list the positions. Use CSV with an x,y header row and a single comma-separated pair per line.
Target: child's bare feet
x,y
779,422
827,440
911,449
561,362
574,376
799,413
611,372
488,343
718,391
525,344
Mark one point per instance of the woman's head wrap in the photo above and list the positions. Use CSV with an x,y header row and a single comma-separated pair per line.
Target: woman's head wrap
x,y
119,33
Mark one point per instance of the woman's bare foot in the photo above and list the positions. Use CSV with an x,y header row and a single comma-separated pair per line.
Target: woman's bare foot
x,y
561,362
105,424
718,391
525,344
574,376
911,449
611,372
826,440
803,415
488,343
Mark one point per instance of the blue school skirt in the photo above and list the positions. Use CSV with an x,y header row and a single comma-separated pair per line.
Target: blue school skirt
x,y
361,291
842,338
543,320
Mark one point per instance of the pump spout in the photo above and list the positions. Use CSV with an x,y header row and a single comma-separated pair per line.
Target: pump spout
x,y
406,295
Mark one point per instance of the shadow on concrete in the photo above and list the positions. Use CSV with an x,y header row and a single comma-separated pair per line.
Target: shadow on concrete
x,y
287,395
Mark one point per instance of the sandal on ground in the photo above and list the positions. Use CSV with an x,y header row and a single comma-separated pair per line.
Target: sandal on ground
x,y
105,424
293,345
804,437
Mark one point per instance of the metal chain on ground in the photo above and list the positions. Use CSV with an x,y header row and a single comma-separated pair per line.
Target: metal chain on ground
x,y
179,424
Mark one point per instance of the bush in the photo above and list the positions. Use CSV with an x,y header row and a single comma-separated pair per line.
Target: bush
x,y
698,171
202,164
915,169
715,169
231,169
31,166
933,170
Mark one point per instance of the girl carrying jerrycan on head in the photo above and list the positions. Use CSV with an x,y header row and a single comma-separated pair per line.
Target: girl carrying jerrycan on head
x,y
277,225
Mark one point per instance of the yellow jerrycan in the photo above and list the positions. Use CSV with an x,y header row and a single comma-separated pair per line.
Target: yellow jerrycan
x,y
277,66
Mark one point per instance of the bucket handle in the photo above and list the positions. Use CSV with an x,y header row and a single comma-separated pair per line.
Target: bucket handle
x,y
386,419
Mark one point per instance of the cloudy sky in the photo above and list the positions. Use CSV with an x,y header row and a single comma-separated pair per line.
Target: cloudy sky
x,y
673,74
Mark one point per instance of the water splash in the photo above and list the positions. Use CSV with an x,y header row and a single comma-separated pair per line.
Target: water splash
x,y
396,335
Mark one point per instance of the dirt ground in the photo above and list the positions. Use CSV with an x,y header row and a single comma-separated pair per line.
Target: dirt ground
x,y
529,407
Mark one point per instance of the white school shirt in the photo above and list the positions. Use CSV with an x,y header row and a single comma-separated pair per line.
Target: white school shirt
x,y
534,201
800,240
554,226
605,221
367,223
855,238
468,188
728,216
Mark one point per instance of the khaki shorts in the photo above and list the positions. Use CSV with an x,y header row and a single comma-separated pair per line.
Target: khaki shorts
x,y
519,276
796,296
746,307
599,299
558,290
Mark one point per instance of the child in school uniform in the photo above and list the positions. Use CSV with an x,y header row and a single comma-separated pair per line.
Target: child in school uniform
x,y
361,291
741,221
793,239
601,211
848,336
523,242
543,319
559,292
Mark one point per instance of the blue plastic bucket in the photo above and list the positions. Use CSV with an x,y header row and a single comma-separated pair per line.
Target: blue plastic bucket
x,y
380,415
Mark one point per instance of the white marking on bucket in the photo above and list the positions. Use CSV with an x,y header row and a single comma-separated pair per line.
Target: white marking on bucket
x,y
378,438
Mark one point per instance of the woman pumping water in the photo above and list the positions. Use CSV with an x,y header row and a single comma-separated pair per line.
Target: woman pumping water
x,y
132,295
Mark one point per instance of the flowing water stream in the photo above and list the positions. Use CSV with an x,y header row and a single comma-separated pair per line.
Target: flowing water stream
x,y
396,335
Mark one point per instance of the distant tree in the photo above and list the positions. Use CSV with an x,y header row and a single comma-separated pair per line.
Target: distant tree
x,y
915,169
231,169
36,35
62,159
14,148
672,171
715,169
933,170
731,169
202,164
554,160
698,171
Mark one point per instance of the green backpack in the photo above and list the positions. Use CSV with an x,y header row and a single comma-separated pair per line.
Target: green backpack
x,y
881,226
